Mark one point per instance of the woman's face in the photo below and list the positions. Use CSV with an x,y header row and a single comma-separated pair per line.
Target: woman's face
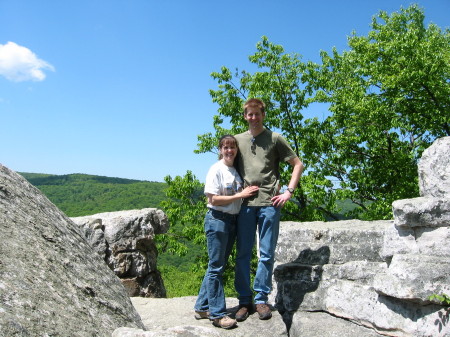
x,y
228,151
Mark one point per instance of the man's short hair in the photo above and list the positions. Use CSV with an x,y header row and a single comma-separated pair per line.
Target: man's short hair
x,y
254,102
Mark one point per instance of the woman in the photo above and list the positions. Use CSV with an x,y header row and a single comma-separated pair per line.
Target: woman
x,y
223,188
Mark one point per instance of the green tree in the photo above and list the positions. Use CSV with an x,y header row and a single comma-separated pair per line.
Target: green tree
x,y
388,99
281,87
185,207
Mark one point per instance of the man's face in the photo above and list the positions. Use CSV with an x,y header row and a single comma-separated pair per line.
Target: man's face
x,y
254,117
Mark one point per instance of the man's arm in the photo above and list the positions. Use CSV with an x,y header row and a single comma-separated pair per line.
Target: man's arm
x,y
298,167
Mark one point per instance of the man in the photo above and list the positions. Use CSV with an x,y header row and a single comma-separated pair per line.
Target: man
x,y
260,154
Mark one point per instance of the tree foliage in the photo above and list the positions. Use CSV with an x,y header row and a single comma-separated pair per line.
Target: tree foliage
x,y
385,100
387,97
185,206
281,87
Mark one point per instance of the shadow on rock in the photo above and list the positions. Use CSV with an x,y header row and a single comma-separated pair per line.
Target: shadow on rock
x,y
297,278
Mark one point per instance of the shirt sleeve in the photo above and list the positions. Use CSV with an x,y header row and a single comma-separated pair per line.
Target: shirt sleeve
x,y
212,182
284,149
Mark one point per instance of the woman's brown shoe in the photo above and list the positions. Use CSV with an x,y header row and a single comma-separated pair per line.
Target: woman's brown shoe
x,y
224,322
201,314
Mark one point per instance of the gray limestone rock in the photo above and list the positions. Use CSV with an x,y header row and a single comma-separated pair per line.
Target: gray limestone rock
x,y
434,169
386,315
377,275
422,212
177,331
125,240
384,294
339,241
51,281
414,277
159,316
416,240
175,317
321,324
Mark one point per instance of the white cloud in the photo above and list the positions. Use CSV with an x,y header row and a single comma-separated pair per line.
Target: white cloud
x,y
19,64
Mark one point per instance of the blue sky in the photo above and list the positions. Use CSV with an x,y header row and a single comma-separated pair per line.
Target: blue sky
x,y
120,88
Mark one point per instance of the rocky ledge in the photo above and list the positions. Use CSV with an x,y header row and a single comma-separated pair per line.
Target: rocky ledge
x,y
345,278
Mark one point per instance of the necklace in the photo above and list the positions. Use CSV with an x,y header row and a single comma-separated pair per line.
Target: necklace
x,y
253,137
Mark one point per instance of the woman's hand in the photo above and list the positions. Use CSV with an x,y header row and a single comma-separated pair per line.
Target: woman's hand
x,y
248,192
221,200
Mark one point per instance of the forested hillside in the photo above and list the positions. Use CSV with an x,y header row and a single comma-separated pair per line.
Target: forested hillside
x,y
83,194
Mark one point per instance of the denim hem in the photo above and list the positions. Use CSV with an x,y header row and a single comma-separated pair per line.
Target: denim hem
x,y
212,317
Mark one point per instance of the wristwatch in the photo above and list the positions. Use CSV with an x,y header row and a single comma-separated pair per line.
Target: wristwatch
x,y
291,190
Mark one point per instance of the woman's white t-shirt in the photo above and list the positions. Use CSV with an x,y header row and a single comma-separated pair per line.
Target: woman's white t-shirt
x,y
224,180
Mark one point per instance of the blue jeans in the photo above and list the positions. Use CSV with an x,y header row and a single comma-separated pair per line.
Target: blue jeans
x,y
267,220
220,229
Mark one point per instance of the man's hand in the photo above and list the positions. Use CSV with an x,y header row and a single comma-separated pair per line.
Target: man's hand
x,y
280,199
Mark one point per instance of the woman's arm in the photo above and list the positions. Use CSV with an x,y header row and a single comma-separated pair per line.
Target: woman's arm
x,y
222,200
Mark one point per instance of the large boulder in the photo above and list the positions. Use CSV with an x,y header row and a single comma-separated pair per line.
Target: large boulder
x,y
125,241
52,283
328,267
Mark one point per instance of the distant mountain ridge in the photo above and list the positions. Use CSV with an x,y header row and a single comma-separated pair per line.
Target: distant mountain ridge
x,y
83,194
47,179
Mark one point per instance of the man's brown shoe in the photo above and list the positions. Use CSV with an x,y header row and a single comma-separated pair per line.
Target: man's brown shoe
x,y
224,322
243,312
264,311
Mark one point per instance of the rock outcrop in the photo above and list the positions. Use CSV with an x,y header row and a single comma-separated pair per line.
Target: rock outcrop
x,y
345,278
125,241
175,317
376,274
51,281
434,170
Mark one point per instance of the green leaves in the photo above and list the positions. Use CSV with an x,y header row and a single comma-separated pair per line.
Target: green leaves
x,y
388,101
444,299
387,97
185,206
